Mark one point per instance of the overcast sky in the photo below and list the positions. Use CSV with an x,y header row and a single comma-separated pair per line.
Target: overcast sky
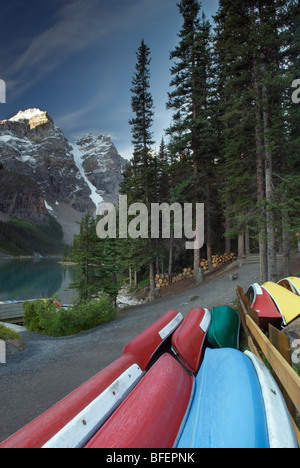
x,y
76,59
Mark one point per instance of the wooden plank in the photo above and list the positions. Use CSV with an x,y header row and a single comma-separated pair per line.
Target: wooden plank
x,y
253,348
282,344
287,376
244,310
8,311
297,432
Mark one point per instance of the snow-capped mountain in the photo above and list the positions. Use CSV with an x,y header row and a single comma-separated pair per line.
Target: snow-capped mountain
x,y
100,165
72,179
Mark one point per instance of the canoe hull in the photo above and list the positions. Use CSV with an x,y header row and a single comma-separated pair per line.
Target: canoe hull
x,y
280,429
44,427
146,344
263,304
154,412
225,327
292,283
188,339
138,352
227,409
287,303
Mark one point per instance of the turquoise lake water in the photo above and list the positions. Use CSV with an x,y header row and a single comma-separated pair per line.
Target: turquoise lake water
x,y
22,279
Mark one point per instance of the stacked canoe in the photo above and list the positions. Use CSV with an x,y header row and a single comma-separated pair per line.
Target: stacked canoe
x,y
179,384
276,303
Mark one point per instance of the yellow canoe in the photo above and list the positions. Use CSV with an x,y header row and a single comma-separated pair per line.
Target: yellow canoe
x,y
286,302
292,283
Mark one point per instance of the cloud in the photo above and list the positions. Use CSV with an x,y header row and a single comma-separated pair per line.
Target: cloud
x,y
79,24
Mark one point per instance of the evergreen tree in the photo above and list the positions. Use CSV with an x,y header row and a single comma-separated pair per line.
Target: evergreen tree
x,y
288,187
97,262
252,46
142,172
85,254
236,167
141,123
191,129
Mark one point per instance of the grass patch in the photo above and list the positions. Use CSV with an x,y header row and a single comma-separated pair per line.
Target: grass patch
x,y
8,334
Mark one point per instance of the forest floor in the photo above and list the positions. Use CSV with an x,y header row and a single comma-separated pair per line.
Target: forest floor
x,y
50,368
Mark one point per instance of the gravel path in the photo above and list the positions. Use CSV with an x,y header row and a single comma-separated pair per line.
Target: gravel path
x,y
50,368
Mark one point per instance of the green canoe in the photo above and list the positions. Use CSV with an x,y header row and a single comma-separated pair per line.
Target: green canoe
x,y
224,329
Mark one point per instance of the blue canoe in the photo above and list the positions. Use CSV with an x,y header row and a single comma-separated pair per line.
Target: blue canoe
x,y
228,408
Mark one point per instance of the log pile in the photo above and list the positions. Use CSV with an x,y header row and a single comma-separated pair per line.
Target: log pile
x,y
186,274
163,280
218,260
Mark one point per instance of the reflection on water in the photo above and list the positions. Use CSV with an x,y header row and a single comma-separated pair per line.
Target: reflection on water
x,y
35,278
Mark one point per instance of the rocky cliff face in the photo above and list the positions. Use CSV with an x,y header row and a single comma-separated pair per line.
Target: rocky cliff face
x,y
68,180
101,164
21,197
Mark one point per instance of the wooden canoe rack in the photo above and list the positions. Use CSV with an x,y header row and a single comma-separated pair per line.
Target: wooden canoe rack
x,y
276,350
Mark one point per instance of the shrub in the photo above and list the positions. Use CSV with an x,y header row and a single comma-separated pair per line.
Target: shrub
x,y
44,317
37,313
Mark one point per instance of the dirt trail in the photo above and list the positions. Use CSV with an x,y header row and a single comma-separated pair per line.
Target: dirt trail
x,y
50,368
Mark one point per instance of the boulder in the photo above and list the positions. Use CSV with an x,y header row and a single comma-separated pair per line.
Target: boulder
x,y
14,346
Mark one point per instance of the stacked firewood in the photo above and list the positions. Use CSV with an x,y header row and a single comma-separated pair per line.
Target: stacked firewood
x,y
218,260
186,273
163,280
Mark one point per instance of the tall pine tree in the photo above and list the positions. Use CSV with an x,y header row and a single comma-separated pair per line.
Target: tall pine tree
x,y
191,129
143,163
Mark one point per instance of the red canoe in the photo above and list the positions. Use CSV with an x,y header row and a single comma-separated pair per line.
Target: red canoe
x,y
188,339
137,353
140,400
148,417
263,304
153,413
144,346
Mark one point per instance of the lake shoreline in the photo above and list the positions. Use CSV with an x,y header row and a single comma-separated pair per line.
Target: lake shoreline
x,y
35,278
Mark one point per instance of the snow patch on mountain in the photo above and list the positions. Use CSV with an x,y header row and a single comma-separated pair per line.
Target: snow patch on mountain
x,y
96,198
26,115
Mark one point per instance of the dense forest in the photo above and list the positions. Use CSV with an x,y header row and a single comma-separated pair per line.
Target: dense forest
x,y
233,145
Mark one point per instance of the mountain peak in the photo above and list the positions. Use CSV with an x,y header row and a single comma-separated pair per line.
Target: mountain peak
x,y
73,178
102,166
27,114
34,116
101,144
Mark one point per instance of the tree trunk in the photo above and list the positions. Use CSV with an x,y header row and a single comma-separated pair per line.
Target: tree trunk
x,y
152,280
270,219
260,173
130,276
241,244
208,229
271,236
247,241
227,239
286,245
135,278
170,268
157,256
